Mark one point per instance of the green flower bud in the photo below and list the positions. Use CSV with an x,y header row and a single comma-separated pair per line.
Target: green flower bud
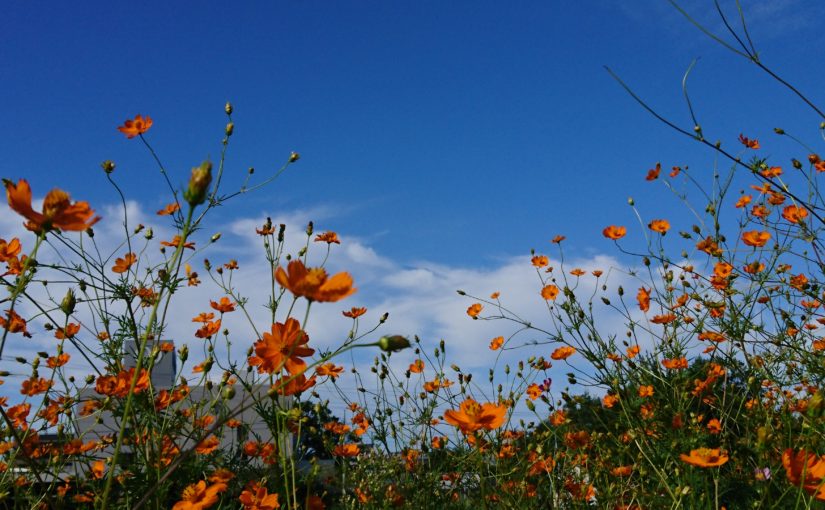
x,y
393,343
68,303
108,166
195,193
228,108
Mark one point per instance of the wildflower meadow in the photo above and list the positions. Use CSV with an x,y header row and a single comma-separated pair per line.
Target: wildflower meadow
x,y
709,394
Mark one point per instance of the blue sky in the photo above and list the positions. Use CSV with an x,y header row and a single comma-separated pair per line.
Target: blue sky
x,y
457,132
438,138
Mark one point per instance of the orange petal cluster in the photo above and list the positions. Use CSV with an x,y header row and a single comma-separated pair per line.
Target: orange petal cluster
x,y
59,212
472,416
313,283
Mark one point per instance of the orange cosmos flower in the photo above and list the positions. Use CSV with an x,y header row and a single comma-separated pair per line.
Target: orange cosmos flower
x,y
496,343
208,329
645,391
806,470
327,237
663,319
550,292
58,211
743,201
675,363
17,414
622,471
705,457
771,172
653,173
283,347
760,211
756,238
14,323
540,260
712,336
35,386
709,246
660,226
749,143
208,445
138,126
204,317
643,297
123,265
346,450
256,497
714,426
431,386
533,391
71,330
313,283
632,351
176,241
224,306
563,352
577,272
609,400
558,239
169,209
754,267
417,366
614,232
722,269
58,361
198,496
10,249
355,312
472,416
474,310
794,214
330,370
221,475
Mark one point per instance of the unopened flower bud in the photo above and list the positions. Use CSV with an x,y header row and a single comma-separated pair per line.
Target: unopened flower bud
x,y
183,353
215,237
68,303
228,108
195,193
149,234
779,131
384,317
393,343
293,157
230,128
108,166
796,164
90,379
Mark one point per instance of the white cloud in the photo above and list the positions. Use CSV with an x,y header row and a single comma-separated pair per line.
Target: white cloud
x,y
421,299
